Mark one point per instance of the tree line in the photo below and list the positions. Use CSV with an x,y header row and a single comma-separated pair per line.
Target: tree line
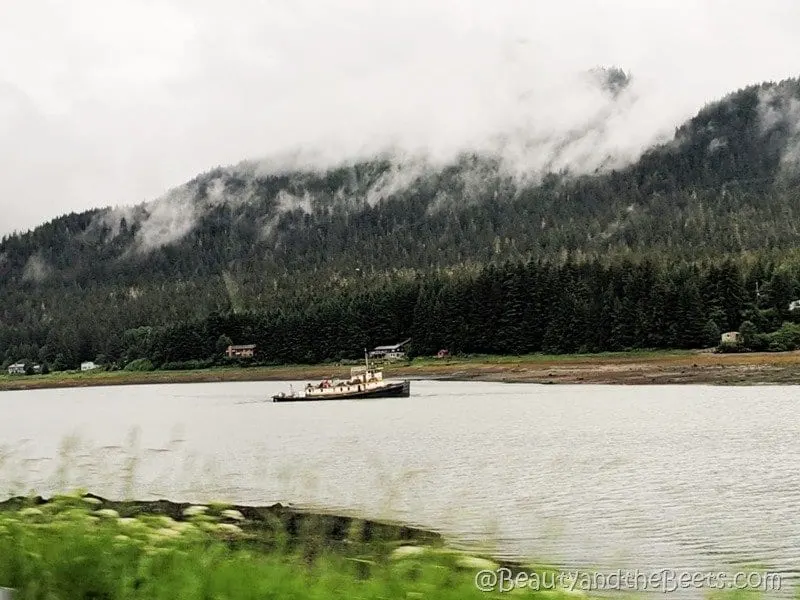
x,y
508,308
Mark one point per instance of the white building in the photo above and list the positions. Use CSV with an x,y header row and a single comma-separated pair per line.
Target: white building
x,y
16,369
731,337
393,352
88,366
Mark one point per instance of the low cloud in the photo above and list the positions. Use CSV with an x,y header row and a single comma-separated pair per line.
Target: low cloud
x,y
114,105
717,144
779,113
36,269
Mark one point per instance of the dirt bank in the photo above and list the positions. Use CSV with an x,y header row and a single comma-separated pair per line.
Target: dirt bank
x,y
623,368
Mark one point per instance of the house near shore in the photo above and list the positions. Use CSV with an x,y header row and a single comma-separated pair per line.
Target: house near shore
x,y
241,351
390,352
16,369
731,338
442,353
88,366
794,305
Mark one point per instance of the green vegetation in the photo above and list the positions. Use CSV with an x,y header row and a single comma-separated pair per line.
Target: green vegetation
x,y
78,548
787,338
139,364
72,549
509,309
696,237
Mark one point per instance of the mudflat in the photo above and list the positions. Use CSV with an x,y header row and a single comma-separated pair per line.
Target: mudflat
x,y
633,368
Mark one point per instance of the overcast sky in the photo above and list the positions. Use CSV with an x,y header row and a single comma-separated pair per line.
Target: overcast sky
x,y
111,102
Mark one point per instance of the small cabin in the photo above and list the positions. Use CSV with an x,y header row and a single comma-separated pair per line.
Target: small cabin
x,y
794,305
16,369
731,337
242,351
391,352
88,366
442,354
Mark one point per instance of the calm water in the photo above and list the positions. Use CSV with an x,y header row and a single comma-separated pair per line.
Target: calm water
x,y
638,477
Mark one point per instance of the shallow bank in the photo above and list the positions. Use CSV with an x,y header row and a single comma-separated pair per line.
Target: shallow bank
x,y
264,520
633,368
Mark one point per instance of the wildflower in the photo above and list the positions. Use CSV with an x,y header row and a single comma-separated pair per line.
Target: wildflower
x,y
167,521
194,511
182,526
234,515
166,532
229,529
475,562
404,551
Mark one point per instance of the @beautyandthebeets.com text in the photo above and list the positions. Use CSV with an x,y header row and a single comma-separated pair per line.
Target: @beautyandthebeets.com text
x,y
665,580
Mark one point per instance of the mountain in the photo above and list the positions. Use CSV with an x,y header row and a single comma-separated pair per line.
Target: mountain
x,y
254,238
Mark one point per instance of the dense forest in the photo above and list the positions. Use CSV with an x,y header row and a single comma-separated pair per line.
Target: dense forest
x,y
513,308
310,265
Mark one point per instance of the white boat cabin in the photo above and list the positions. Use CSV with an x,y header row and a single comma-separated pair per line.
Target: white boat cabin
x,y
361,379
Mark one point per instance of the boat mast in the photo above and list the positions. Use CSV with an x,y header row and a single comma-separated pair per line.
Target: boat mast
x,y
366,359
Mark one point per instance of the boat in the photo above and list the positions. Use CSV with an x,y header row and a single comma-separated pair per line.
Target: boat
x,y
364,382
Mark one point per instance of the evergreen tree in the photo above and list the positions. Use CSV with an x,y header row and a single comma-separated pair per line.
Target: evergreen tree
x,y
223,341
711,334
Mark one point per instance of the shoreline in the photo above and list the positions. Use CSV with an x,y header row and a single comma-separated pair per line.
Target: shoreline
x,y
624,368
333,526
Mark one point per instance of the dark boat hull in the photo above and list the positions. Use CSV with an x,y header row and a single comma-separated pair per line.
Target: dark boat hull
x,y
401,389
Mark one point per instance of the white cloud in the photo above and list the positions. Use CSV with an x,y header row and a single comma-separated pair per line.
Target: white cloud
x,y
113,102
36,269
779,109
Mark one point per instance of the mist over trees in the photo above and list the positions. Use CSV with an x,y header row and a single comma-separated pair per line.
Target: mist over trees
x,y
665,253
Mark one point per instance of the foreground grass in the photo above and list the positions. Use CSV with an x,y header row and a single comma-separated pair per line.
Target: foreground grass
x,y
68,549
72,549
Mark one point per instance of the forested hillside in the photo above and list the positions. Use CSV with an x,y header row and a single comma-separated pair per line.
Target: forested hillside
x,y
470,256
